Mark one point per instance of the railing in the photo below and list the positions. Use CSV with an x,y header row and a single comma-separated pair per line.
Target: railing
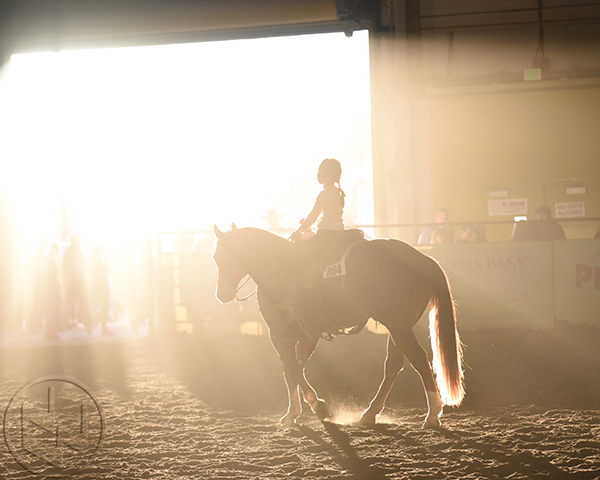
x,y
496,231
185,277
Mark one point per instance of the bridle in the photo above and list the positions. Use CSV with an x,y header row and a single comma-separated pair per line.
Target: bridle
x,y
247,297
245,279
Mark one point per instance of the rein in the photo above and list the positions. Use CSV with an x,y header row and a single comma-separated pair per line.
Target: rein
x,y
247,297
252,238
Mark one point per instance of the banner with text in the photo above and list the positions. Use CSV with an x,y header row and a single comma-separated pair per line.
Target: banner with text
x,y
499,285
577,281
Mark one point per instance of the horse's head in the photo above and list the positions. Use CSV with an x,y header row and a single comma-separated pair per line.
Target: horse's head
x,y
250,251
230,266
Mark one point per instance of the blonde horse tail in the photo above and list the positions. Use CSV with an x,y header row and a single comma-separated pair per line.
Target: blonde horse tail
x,y
445,341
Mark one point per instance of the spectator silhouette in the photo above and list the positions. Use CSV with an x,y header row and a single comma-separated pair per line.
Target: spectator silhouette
x,y
38,279
145,293
550,229
126,280
76,295
100,288
441,217
272,219
441,235
479,234
198,280
525,230
53,293
465,234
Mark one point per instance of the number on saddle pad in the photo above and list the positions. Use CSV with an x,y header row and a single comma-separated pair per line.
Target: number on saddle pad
x,y
336,269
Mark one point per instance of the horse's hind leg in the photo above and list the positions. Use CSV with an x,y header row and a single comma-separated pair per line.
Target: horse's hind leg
x,y
304,350
419,359
394,363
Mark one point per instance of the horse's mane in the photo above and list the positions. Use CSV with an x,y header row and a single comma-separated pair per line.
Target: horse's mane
x,y
262,239
253,233
267,247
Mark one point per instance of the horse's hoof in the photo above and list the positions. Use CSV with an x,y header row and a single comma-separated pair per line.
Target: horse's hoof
x,y
432,423
321,410
368,420
287,421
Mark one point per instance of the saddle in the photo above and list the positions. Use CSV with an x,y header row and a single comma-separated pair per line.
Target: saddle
x,y
318,281
323,249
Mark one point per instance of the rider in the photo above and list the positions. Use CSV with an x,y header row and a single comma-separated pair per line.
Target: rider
x,y
315,253
330,202
318,251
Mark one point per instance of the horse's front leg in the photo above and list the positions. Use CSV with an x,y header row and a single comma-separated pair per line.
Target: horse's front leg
x,y
304,350
286,349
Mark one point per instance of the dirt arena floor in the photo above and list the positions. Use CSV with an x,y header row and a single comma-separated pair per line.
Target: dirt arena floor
x,y
186,407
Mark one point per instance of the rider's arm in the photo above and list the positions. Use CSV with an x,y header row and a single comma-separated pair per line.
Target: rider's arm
x,y
312,217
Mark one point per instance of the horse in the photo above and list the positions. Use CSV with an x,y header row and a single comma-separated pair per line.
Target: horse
x,y
383,279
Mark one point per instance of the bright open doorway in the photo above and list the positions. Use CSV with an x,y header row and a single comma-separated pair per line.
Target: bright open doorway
x,y
116,143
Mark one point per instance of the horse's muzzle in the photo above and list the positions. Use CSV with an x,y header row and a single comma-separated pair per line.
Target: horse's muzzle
x,y
225,294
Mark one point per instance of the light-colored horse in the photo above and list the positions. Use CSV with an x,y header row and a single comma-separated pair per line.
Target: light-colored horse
x,y
387,280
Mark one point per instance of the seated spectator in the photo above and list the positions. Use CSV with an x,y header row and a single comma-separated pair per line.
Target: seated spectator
x,y
465,234
426,236
479,234
442,235
550,229
526,231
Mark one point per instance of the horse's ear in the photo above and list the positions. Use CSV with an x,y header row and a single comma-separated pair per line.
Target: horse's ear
x,y
233,227
218,232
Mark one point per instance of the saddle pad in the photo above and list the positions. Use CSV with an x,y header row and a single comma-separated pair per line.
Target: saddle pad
x,y
336,269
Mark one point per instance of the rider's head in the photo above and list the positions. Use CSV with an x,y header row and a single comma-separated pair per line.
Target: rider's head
x,y
330,171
